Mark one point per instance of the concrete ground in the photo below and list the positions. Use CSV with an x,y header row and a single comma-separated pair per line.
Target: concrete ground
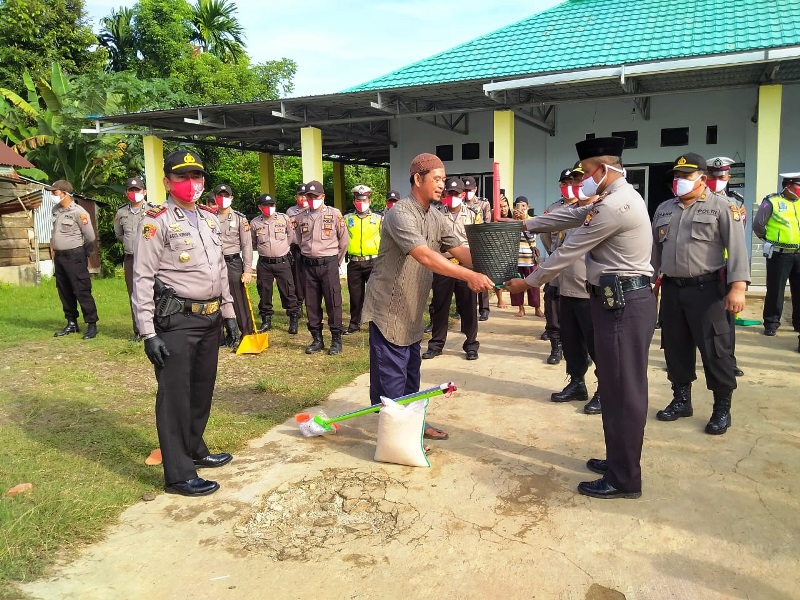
x,y
497,514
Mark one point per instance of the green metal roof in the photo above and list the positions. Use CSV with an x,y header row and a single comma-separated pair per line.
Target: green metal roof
x,y
580,34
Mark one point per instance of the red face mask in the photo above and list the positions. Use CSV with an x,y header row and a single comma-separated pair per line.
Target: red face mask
x,y
135,196
452,201
566,191
188,190
223,201
716,185
389,205
267,211
794,188
361,205
302,202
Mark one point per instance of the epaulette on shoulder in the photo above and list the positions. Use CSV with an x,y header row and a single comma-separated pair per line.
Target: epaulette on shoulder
x,y
156,211
240,214
206,208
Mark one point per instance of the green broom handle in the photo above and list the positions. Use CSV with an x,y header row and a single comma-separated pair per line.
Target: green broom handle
x,y
421,395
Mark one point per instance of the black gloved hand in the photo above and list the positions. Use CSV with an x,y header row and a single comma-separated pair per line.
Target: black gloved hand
x,y
156,350
232,333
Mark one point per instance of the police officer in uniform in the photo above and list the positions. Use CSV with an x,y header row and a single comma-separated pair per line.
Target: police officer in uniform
x,y
457,215
178,257
237,248
364,229
690,235
127,225
615,237
71,243
323,240
719,173
301,204
484,208
777,222
391,198
273,234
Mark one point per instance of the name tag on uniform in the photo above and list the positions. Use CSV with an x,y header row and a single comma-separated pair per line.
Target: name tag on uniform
x,y
303,228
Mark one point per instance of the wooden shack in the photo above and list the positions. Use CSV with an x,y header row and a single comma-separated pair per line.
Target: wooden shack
x,y
19,248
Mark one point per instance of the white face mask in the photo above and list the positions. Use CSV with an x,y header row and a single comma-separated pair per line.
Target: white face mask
x,y
681,187
316,203
590,186
470,196
136,197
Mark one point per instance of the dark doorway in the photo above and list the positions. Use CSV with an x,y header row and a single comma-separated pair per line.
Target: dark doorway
x,y
660,185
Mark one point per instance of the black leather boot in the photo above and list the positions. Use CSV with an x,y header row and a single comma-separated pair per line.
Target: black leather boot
x,y
593,407
317,343
70,327
294,321
91,331
556,354
266,324
721,415
681,405
575,390
336,343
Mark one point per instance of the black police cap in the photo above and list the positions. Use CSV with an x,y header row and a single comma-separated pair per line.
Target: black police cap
x,y
265,200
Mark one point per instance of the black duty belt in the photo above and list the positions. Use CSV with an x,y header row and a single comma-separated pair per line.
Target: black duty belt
x,y
231,257
318,262
628,285
361,258
274,260
72,252
690,281
195,307
783,250
782,246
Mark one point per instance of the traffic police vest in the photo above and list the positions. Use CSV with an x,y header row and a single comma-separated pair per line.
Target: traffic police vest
x,y
783,227
365,234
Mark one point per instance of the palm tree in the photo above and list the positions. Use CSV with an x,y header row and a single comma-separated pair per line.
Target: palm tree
x,y
117,35
216,29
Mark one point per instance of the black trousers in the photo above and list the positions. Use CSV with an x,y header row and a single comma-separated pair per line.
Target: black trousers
x,y
74,284
322,282
780,267
622,342
127,263
577,334
297,273
266,274
467,306
695,317
551,311
185,386
483,300
358,273
240,306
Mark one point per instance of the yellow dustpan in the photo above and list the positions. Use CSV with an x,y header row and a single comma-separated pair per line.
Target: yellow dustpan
x,y
254,343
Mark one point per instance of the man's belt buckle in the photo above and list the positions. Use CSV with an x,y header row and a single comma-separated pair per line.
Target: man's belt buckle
x,y
205,308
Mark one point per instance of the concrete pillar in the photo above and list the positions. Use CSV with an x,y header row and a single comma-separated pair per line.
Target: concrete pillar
x,y
154,169
504,149
768,140
388,179
266,171
311,150
340,195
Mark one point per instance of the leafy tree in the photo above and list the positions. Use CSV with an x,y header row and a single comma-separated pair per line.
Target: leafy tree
x,y
36,33
117,36
162,32
215,29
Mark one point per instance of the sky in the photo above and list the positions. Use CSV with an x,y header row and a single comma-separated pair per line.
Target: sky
x,y
341,43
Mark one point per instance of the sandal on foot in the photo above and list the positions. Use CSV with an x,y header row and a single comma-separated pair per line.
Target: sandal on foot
x,y
436,434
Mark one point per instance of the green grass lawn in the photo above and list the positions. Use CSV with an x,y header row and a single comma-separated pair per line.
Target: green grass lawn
x,y
76,417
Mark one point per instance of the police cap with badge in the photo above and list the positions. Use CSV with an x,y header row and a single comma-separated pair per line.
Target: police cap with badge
x,y
454,184
134,183
362,192
223,189
266,200
183,161
689,163
566,175
719,165
470,183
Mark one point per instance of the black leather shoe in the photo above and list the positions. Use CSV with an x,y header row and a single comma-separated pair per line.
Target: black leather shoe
x,y
91,331
770,332
293,324
593,407
213,460
351,330
737,372
600,488
545,336
193,487
472,355
597,465
484,315
266,324
70,327
574,390
431,353
681,405
428,329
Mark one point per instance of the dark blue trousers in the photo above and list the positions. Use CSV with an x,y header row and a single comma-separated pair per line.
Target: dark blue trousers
x,y
393,370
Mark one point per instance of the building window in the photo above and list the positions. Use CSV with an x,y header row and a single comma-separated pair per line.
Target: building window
x,y
471,151
491,149
631,138
675,136
590,136
445,152
711,134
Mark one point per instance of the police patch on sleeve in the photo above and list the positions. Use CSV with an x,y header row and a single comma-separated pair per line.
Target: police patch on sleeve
x,y
589,217
84,219
735,212
149,231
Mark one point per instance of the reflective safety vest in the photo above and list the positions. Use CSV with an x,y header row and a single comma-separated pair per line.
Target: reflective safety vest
x,y
783,227
365,234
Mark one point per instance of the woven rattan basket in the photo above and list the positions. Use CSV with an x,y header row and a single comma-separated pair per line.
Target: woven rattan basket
x,y
495,248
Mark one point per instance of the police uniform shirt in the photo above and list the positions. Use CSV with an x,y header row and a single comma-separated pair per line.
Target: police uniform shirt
x,y
549,237
359,246
459,220
235,236
482,207
615,235
571,281
128,224
321,232
185,256
72,227
272,236
293,211
689,241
